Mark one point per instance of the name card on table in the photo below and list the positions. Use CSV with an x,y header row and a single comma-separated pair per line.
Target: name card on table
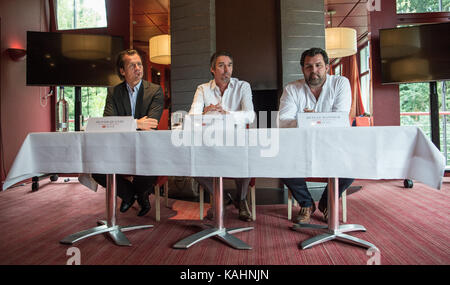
x,y
111,124
333,119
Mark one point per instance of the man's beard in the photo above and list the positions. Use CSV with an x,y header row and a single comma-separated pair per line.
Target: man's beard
x,y
226,78
318,80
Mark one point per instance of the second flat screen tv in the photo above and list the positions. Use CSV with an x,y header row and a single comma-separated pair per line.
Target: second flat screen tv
x,y
415,54
63,59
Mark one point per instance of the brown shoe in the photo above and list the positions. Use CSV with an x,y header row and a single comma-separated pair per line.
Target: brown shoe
x,y
324,211
244,211
304,215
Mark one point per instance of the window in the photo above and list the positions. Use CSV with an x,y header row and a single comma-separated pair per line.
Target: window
x,y
92,103
77,15
80,14
422,6
337,68
414,97
364,76
415,108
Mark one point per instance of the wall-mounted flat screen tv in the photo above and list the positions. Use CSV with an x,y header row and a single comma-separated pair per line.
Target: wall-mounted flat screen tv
x,y
66,59
415,54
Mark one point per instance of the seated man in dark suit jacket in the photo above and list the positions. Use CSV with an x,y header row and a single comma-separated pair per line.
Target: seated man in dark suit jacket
x,y
144,101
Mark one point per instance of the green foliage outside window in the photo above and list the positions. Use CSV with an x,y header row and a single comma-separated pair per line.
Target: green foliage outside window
x,y
92,102
415,97
80,14
422,6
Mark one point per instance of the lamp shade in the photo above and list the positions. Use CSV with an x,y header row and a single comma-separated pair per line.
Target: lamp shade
x,y
340,42
159,49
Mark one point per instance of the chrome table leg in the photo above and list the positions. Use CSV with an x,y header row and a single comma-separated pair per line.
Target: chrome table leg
x,y
333,230
218,230
109,226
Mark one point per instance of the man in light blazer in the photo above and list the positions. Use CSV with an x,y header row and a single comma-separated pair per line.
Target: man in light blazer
x,y
144,101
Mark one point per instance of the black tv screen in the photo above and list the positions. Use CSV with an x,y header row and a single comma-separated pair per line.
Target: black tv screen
x,y
63,59
415,54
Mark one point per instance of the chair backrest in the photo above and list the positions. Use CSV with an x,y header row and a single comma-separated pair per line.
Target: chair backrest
x,y
362,121
164,121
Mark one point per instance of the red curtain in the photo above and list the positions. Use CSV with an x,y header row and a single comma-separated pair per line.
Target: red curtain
x,y
351,71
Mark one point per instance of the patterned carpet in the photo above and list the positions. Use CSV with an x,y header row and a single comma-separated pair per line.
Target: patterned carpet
x,y
409,226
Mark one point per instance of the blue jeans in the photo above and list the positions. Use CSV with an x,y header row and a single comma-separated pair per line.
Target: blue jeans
x,y
303,196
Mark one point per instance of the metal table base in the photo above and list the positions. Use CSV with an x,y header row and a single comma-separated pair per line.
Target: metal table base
x,y
109,226
333,230
218,230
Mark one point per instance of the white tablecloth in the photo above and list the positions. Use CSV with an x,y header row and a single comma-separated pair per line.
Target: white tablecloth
x,y
359,152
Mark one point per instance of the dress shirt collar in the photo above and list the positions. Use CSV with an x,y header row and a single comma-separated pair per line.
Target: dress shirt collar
x,y
136,88
213,84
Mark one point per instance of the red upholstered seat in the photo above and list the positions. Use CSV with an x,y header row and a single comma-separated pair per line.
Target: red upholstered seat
x,y
164,121
162,181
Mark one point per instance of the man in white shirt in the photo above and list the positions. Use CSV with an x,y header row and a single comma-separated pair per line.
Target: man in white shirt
x,y
317,92
225,95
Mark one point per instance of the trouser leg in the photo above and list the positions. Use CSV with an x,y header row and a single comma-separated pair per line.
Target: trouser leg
x,y
143,184
207,183
242,188
344,183
299,191
142,187
124,187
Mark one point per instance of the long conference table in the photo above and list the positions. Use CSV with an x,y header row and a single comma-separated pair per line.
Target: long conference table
x,y
360,153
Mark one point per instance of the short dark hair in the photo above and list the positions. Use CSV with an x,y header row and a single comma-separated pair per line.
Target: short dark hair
x,y
212,62
120,63
313,52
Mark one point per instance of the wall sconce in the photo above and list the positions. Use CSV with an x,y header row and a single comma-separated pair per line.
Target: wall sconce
x,y
16,54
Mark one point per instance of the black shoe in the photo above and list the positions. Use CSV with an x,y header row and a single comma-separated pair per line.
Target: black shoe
x,y
126,205
144,210
144,202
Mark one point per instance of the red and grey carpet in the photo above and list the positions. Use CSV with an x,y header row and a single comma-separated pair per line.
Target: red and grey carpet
x,y
409,226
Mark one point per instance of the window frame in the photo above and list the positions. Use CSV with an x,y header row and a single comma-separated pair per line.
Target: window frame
x,y
366,44
337,64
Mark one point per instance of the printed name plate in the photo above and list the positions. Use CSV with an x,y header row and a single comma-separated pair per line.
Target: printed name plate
x,y
111,124
333,119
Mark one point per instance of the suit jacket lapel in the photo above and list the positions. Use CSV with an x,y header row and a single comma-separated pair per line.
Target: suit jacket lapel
x,y
125,98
